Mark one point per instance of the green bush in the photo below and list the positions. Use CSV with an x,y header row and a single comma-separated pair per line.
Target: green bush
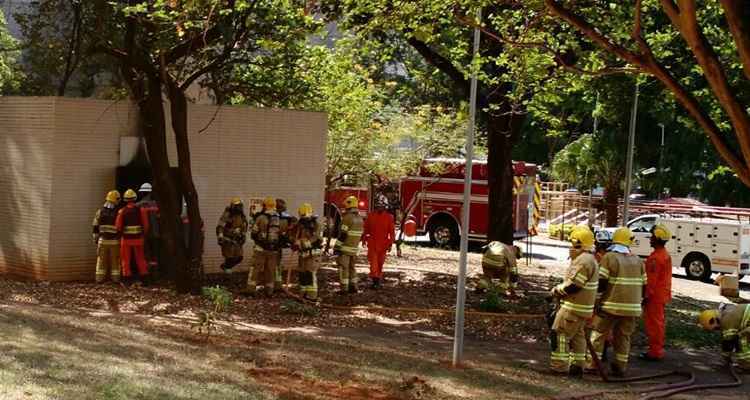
x,y
554,230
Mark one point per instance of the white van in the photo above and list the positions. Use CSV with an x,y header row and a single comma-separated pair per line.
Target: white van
x,y
699,246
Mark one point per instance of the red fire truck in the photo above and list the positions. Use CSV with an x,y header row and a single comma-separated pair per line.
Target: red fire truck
x,y
434,200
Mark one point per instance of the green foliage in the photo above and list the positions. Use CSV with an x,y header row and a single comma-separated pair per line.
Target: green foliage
x,y
554,230
8,54
220,299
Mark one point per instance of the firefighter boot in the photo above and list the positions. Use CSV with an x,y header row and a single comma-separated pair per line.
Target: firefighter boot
x,y
575,372
616,371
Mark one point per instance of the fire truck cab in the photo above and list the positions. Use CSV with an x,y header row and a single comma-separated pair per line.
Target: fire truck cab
x,y
434,197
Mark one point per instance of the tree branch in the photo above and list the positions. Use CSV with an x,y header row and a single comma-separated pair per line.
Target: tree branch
x,y
737,13
443,64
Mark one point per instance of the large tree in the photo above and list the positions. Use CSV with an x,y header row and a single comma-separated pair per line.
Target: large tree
x,y
166,46
716,35
8,55
436,30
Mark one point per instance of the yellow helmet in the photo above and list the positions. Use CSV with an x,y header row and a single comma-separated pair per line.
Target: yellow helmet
x,y
581,237
623,236
113,197
305,210
709,319
236,201
269,203
351,202
130,195
661,232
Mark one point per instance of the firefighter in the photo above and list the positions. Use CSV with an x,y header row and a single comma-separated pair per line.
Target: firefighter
x,y
577,295
266,236
499,263
132,224
658,292
149,206
286,224
622,280
378,235
107,239
347,245
231,232
308,242
734,323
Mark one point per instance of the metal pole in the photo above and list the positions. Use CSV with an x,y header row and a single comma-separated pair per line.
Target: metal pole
x,y
591,188
629,165
661,163
458,335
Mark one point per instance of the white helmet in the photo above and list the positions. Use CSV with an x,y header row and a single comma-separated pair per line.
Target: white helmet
x,y
145,188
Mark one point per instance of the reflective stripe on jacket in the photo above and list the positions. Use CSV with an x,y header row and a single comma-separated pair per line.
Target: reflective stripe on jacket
x,y
626,277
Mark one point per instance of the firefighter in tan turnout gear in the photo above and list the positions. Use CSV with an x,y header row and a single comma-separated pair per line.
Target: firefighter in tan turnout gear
x,y
734,323
577,295
286,223
499,265
307,242
622,282
107,239
267,237
347,245
231,232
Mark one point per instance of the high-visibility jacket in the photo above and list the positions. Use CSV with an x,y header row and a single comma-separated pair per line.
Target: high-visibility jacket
x,y
379,231
500,257
584,274
735,331
625,277
351,233
132,223
266,231
659,274
307,237
104,226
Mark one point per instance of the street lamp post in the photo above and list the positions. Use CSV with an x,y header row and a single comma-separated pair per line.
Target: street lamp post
x,y
661,162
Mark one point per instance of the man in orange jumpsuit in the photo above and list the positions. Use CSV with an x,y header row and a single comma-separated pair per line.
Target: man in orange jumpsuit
x,y
658,292
132,224
379,234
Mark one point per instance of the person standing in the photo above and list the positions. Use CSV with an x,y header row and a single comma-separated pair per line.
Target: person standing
x,y
347,245
577,295
132,225
231,232
107,239
266,236
658,292
378,235
307,242
286,225
150,207
622,280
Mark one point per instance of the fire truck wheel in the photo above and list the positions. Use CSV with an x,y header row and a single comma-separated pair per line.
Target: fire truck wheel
x,y
697,267
444,233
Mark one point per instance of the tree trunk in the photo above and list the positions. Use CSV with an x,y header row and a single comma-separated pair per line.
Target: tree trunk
x,y
191,278
612,205
153,127
502,132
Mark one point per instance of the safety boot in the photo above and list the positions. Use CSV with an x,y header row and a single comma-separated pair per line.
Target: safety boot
x,y
616,371
575,372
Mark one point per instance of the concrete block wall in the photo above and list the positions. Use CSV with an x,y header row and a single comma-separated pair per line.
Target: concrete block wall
x,y
26,144
60,154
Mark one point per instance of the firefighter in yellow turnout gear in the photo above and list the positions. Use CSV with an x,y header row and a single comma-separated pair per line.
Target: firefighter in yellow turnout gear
x,y
267,237
734,323
231,233
577,295
347,245
286,225
307,242
622,282
499,264
107,239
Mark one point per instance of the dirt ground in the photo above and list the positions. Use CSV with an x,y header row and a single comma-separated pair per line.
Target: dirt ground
x,y
85,341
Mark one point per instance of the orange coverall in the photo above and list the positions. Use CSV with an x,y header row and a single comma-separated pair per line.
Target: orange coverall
x,y
658,294
132,223
379,234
